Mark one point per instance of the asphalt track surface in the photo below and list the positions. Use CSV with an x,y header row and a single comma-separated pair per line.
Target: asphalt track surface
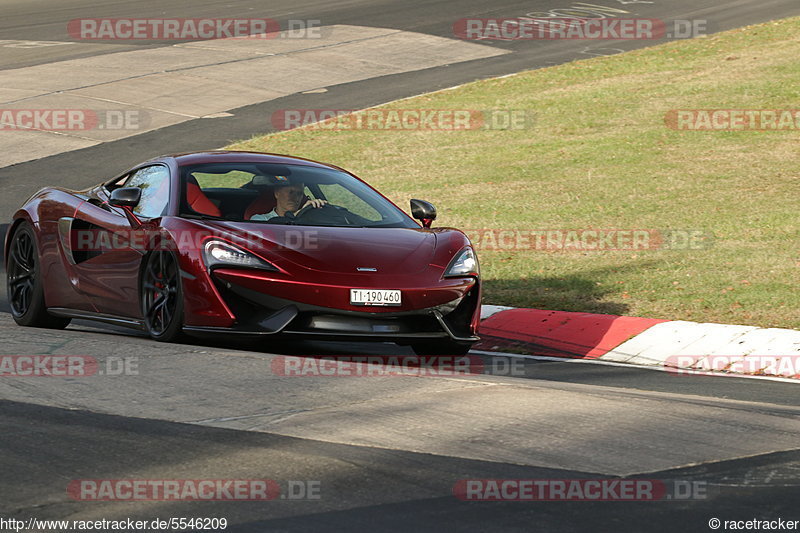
x,y
386,451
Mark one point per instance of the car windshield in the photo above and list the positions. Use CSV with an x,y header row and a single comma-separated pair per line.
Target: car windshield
x,y
285,194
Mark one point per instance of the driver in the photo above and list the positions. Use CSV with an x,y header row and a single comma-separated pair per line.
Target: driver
x,y
289,198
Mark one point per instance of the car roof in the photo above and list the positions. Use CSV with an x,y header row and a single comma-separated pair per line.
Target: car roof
x,y
230,156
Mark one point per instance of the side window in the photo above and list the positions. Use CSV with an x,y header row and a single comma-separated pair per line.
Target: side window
x,y
154,183
234,179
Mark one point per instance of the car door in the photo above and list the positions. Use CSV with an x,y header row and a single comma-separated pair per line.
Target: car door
x,y
108,251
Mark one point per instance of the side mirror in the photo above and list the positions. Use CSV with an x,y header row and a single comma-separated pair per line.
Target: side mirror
x,y
126,197
423,211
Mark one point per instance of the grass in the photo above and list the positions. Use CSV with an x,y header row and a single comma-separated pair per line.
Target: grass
x,y
601,156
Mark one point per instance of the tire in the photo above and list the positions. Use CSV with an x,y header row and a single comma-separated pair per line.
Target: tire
x,y
441,348
24,282
161,297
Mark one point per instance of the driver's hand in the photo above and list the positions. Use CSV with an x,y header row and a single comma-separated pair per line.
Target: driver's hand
x,y
315,202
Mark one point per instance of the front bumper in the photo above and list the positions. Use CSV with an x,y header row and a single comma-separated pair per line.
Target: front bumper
x,y
261,313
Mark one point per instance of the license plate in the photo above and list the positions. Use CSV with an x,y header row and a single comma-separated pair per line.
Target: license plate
x,y
374,297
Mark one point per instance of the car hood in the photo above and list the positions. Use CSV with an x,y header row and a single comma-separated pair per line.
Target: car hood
x,y
339,250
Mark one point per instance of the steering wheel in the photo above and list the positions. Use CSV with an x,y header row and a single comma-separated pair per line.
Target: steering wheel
x,y
306,208
326,214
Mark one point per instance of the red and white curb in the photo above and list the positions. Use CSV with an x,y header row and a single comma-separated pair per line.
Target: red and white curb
x,y
675,345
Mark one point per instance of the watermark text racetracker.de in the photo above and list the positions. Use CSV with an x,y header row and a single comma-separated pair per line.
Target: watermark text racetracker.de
x,y
589,239
380,366
404,119
576,28
121,490
576,490
192,29
733,119
66,366
787,366
73,119
144,239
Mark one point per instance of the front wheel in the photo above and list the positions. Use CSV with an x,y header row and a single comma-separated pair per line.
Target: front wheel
x,y
25,284
441,348
162,297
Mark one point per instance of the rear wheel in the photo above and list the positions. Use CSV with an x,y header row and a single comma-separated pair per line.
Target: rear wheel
x,y
441,348
25,284
162,297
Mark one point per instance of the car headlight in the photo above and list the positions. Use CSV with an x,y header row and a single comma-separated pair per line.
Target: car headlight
x,y
221,254
465,263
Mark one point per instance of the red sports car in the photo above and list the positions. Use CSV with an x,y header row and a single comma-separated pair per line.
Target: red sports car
x,y
243,243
